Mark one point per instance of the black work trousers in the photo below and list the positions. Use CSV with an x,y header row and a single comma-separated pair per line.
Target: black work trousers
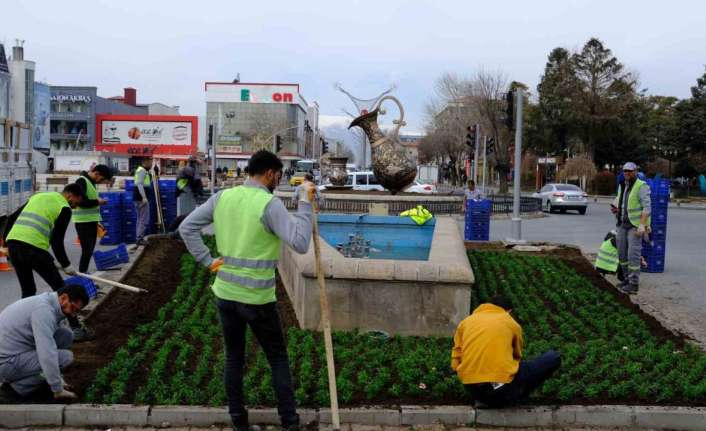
x,y
530,376
265,324
27,258
87,233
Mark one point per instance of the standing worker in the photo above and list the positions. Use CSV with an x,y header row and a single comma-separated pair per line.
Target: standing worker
x,y
188,188
87,215
41,222
632,208
141,195
249,224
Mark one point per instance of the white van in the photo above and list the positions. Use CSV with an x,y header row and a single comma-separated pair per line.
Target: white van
x,y
363,180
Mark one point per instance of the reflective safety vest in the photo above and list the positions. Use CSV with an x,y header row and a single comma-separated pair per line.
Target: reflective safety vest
x,y
607,259
148,178
634,206
36,221
250,252
419,214
85,215
181,183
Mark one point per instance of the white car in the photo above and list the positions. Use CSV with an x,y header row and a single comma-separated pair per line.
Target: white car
x,y
418,187
562,197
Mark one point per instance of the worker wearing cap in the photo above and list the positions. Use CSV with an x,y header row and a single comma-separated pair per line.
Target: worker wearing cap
x,y
141,195
250,224
87,216
632,208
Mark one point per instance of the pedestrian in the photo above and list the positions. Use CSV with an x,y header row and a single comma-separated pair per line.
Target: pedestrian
x,y
34,344
250,224
471,194
87,216
142,194
299,189
486,357
238,171
632,207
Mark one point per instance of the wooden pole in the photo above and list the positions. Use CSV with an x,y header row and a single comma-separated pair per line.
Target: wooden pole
x,y
326,322
158,203
113,283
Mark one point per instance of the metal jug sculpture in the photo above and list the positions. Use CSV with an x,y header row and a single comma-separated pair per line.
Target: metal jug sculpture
x,y
393,168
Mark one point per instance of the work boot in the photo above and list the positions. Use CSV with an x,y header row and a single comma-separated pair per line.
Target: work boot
x,y
629,289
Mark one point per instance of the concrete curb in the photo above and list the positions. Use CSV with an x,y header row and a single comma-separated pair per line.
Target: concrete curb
x,y
604,416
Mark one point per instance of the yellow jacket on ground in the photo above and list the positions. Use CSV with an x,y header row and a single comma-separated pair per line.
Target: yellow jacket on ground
x,y
487,346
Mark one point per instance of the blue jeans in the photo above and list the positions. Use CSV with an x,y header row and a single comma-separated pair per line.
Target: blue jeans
x,y
265,324
530,376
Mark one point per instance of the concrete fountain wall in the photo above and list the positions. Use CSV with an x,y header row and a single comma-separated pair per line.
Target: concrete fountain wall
x,y
405,297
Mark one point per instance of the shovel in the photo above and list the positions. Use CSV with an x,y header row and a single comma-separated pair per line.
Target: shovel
x,y
113,283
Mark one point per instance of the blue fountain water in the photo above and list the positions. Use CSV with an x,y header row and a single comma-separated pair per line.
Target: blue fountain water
x,y
390,237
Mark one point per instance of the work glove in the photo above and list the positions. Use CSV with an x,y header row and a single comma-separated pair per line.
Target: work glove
x,y
65,395
142,203
216,265
614,209
102,201
640,230
308,192
69,270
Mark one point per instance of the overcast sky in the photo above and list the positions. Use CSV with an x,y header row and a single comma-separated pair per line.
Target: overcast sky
x,y
168,49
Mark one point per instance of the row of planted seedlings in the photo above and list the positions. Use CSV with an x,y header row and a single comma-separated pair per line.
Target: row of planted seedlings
x,y
609,353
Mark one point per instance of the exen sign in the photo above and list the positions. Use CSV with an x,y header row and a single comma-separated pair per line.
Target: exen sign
x,y
253,93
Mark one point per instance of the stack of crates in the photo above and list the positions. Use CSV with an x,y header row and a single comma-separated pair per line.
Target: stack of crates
x,y
129,214
654,250
167,193
478,220
112,214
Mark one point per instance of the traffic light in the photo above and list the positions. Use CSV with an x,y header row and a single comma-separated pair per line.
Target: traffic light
x,y
210,136
510,110
324,147
278,144
471,136
490,146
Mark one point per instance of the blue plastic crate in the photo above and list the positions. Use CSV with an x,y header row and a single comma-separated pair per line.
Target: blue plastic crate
x,y
111,258
86,283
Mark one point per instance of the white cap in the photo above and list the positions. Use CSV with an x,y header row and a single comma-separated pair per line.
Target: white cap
x,y
630,166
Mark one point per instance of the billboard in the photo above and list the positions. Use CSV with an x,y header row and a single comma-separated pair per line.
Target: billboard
x,y
254,93
147,134
40,122
4,95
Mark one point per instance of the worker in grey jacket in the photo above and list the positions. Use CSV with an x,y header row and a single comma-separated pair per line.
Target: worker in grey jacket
x,y
250,224
35,341
632,207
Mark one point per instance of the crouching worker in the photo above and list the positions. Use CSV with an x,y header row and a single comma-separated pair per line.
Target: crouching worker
x,y
35,342
486,356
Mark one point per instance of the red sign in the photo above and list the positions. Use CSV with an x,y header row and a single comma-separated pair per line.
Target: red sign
x,y
147,135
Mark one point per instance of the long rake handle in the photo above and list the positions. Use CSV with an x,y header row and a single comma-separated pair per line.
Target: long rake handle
x,y
113,283
326,323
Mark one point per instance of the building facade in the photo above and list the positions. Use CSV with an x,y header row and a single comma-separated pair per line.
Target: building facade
x,y
247,117
73,116
4,85
21,87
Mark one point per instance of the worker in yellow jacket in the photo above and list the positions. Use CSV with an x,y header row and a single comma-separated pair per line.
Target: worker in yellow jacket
x,y
486,357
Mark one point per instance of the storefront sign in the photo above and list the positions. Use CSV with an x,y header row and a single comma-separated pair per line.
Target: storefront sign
x,y
74,98
254,93
147,134
230,148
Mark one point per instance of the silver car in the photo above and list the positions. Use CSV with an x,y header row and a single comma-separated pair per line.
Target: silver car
x,y
562,197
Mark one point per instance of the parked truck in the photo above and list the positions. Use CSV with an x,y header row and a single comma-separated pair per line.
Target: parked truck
x,y
16,169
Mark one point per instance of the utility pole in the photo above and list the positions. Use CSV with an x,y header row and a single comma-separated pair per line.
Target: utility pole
x,y
516,220
213,159
475,155
485,161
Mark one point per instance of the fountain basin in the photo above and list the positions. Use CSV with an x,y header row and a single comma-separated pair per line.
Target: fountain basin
x,y
398,296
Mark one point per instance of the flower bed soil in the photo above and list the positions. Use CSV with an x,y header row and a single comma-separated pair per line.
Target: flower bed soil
x,y
157,271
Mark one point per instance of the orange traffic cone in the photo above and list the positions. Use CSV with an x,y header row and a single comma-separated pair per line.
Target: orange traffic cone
x,y
4,265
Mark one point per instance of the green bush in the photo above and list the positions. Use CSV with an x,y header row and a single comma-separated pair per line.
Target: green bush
x,y
604,183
